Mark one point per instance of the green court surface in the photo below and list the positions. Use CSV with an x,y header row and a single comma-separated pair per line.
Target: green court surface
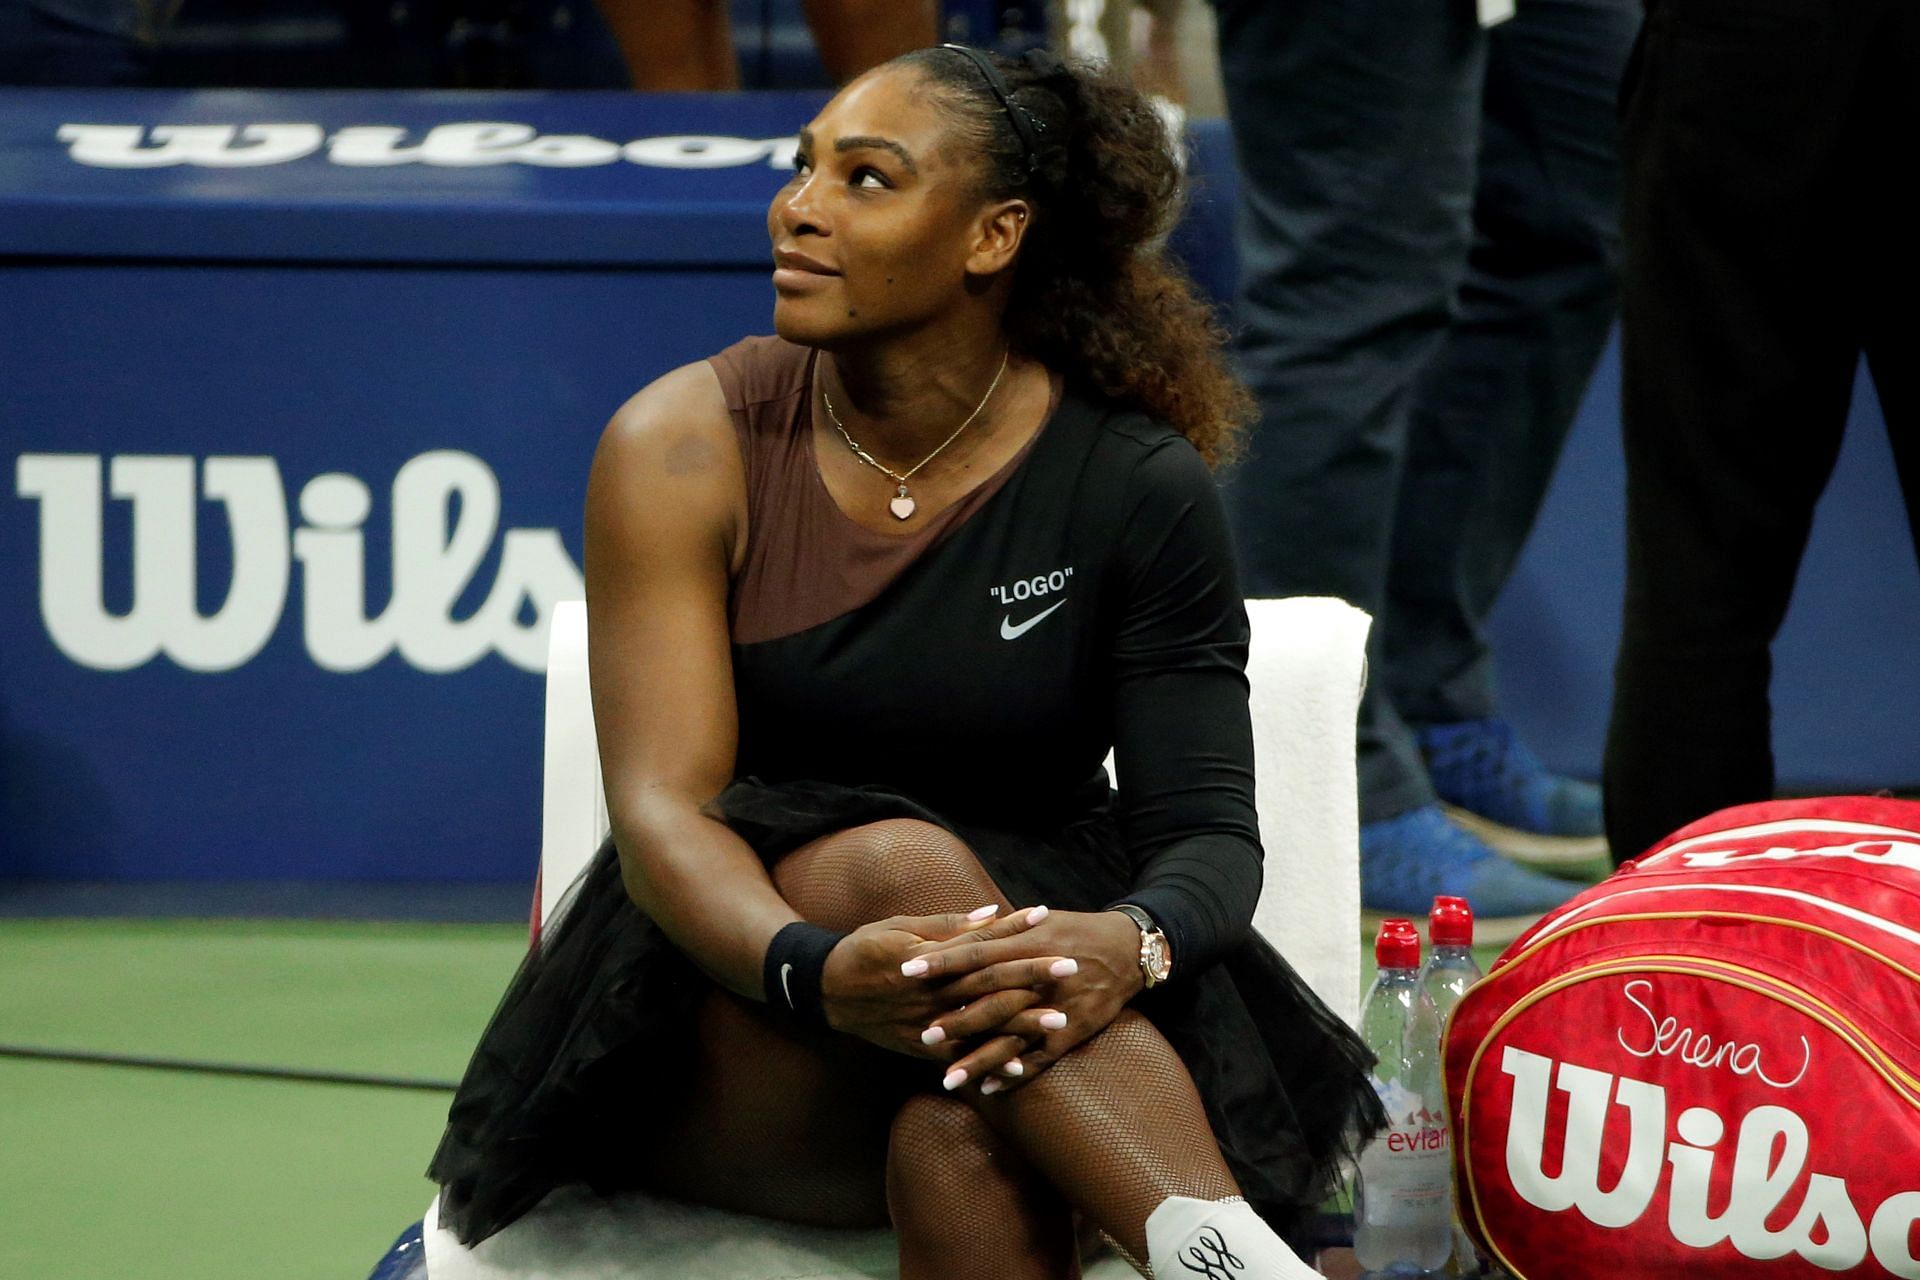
x,y
119,1173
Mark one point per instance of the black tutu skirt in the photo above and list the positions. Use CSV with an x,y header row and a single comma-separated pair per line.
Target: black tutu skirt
x,y
564,1064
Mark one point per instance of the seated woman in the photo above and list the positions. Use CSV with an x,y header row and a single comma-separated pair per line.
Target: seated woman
x,y
869,603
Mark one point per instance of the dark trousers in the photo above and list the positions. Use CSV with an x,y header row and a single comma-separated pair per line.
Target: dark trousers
x,y
1429,242
1766,147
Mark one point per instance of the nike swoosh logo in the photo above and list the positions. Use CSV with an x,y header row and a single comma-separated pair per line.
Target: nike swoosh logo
x,y
786,991
1008,631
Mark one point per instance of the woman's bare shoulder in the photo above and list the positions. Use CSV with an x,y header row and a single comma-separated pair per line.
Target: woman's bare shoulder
x,y
672,441
682,404
676,430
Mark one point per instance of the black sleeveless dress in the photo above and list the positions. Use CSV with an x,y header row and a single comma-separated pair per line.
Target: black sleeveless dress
x,y
1088,603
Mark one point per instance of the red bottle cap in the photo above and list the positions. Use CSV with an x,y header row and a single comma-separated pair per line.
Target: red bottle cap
x,y
1398,946
1450,923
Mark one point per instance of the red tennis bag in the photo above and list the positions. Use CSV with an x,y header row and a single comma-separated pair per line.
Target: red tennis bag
x,y
1707,1065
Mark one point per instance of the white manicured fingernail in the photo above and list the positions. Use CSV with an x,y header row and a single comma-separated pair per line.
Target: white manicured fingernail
x,y
1053,1020
982,913
991,1086
955,1078
1036,915
913,968
1015,1067
933,1035
1064,968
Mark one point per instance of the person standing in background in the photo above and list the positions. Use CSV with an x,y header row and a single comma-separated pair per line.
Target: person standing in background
x,y
1767,249
1429,242
1140,39
686,46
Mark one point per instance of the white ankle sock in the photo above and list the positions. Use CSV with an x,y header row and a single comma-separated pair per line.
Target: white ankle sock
x,y
1189,1239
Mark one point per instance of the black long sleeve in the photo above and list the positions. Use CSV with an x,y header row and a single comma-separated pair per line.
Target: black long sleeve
x,y
1183,736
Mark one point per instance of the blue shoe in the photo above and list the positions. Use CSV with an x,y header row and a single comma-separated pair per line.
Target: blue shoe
x,y
1495,788
1407,861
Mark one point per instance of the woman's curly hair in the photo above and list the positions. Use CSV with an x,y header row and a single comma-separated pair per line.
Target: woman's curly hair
x,y
1094,295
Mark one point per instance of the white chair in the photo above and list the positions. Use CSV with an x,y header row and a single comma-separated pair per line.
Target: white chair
x,y
1306,670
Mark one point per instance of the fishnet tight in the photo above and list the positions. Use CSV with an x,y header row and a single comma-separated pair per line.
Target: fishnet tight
x,y
826,1130
966,1202
1117,1127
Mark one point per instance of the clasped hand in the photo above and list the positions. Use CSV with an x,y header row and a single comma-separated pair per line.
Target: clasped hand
x,y
1000,998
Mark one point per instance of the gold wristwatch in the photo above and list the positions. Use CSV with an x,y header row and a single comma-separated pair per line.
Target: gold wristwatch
x,y
1156,958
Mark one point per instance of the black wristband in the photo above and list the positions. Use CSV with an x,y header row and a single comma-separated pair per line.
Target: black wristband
x,y
790,975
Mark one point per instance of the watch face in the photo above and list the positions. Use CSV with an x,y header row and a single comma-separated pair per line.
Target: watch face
x,y
1156,957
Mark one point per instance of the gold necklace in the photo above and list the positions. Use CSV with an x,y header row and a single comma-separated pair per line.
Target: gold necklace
x,y
902,504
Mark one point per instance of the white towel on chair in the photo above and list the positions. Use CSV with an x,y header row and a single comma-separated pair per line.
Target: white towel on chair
x,y
1306,669
575,1235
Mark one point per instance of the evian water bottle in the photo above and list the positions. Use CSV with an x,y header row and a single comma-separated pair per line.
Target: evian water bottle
x,y
1403,1199
1449,970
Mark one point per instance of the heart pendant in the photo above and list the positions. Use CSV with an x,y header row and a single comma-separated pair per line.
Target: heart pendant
x,y
902,506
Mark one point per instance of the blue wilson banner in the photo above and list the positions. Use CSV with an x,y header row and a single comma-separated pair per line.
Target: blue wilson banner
x,y
298,398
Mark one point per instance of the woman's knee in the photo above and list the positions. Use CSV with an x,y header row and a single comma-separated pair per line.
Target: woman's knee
x,y
897,867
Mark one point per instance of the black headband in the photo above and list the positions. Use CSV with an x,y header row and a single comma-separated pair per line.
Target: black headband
x,y
1024,124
